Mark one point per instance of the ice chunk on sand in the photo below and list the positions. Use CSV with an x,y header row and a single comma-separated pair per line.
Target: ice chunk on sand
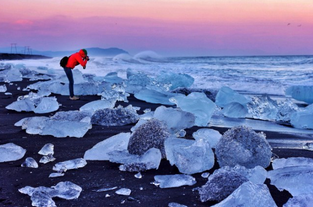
x,y
220,185
119,116
149,135
30,162
189,156
301,93
42,196
47,149
173,204
175,118
247,195
289,171
102,149
209,135
241,145
47,158
98,104
226,96
304,200
135,163
256,175
70,164
123,191
235,110
11,152
153,96
3,88
38,105
197,104
174,181
303,119
62,124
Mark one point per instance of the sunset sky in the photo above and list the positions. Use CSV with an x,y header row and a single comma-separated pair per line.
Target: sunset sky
x,y
168,27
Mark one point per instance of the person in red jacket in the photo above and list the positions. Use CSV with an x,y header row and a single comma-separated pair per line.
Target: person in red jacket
x,y
74,60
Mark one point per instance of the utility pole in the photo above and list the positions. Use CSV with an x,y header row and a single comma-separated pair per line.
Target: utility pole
x,y
13,48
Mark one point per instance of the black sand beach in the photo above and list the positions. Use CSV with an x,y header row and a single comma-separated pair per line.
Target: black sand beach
x,y
96,174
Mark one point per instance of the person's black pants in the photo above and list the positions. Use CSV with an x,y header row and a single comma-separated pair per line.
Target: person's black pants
x,y
69,75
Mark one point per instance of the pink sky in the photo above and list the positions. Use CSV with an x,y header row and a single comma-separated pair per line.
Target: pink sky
x,y
171,27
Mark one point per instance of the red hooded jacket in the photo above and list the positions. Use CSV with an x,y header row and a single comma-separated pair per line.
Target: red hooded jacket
x,y
76,59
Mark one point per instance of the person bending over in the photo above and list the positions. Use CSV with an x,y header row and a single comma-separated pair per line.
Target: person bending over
x,y
74,60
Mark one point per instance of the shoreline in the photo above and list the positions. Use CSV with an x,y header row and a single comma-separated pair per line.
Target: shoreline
x,y
97,174
18,56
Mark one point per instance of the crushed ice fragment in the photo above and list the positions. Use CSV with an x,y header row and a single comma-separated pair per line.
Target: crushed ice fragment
x,y
69,165
123,191
54,175
30,162
47,149
47,158
173,181
106,189
138,175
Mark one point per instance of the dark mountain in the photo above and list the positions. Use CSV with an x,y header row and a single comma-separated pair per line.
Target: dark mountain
x,y
93,51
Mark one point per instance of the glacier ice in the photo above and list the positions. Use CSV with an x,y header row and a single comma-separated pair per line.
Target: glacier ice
x,y
303,119
226,96
241,145
98,104
61,124
173,181
3,88
101,151
289,171
247,195
69,165
301,93
11,152
119,116
38,105
220,185
30,162
175,118
42,196
47,149
156,97
235,110
47,158
123,191
197,104
149,135
209,135
174,80
151,159
304,200
189,156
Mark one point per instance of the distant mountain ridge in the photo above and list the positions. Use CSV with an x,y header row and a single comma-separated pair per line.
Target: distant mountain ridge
x,y
92,51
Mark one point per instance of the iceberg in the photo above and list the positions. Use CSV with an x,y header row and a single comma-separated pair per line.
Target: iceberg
x,y
189,156
175,118
173,181
11,152
247,195
241,145
149,135
197,104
